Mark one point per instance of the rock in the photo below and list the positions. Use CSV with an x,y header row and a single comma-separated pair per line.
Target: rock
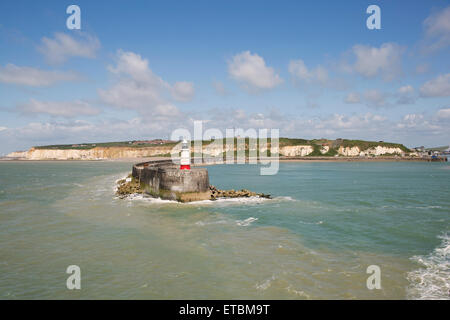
x,y
126,188
243,193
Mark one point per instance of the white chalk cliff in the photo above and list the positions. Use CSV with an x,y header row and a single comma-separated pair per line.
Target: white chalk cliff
x,y
101,153
376,151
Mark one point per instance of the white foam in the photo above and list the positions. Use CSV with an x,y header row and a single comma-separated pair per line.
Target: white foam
x,y
145,198
285,198
304,222
265,284
203,223
240,200
433,280
124,177
230,201
116,182
297,292
246,222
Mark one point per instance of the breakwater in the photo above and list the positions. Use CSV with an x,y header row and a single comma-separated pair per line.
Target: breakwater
x,y
165,180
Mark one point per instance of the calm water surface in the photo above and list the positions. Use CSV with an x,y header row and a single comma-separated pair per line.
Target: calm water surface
x,y
326,224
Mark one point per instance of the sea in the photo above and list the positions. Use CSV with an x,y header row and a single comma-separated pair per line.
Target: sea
x,y
332,230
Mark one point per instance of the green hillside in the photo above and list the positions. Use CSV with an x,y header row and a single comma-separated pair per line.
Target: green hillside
x,y
283,142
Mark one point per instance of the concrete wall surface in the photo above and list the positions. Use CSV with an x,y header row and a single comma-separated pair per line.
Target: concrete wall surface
x,y
165,180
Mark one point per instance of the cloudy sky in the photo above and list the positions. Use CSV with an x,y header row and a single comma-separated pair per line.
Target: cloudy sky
x,y
140,69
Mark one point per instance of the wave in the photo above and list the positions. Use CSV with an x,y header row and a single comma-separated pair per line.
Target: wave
x,y
240,200
304,222
147,199
246,222
220,201
241,223
230,201
265,284
203,223
432,281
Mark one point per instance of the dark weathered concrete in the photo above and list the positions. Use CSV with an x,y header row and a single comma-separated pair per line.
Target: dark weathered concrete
x,y
165,180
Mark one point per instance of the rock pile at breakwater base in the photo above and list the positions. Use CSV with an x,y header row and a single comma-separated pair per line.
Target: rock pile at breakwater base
x,y
243,193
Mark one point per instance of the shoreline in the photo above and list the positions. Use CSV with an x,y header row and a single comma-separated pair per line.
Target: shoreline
x,y
260,161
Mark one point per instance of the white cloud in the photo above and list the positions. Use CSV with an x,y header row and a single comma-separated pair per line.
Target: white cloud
x,y
299,70
251,72
133,65
406,95
42,132
375,98
139,89
371,62
183,91
419,124
438,87
34,77
352,97
437,30
348,124
220,88
406,89
66,109
444,113
3,128
422,68
412,129
412,119
77,131
64,46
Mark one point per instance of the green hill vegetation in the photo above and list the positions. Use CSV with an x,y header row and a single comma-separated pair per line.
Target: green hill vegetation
x,y
317,144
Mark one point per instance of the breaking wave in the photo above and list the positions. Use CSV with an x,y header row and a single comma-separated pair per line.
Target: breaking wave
x,y
432,281
246,222
220,201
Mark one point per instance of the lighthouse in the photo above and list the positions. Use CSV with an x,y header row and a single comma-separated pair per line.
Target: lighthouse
x,y
185,160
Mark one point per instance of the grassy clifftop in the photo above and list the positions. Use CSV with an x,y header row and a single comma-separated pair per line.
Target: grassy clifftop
x,y
333,144
364,145
283,142
87,146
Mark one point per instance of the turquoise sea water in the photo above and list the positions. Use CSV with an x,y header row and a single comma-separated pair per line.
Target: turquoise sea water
x,y
326,224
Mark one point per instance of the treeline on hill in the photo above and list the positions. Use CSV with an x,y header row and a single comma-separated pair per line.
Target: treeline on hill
x,y
317,144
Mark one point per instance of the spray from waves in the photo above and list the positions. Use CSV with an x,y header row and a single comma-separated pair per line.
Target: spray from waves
x,y
432,282
230,201
218,202
241,200
147,199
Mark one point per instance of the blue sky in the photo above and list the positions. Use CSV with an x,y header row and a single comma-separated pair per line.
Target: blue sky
x,y
141,69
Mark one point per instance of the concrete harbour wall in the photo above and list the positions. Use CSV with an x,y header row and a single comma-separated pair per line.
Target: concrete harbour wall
x,y
165,180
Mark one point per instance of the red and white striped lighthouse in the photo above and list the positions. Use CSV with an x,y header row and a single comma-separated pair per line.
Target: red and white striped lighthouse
x,y
185,159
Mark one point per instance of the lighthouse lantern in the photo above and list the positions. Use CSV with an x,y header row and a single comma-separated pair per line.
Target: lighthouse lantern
x,y
185,159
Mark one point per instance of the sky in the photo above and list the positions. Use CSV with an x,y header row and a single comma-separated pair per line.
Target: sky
x,y
141,69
